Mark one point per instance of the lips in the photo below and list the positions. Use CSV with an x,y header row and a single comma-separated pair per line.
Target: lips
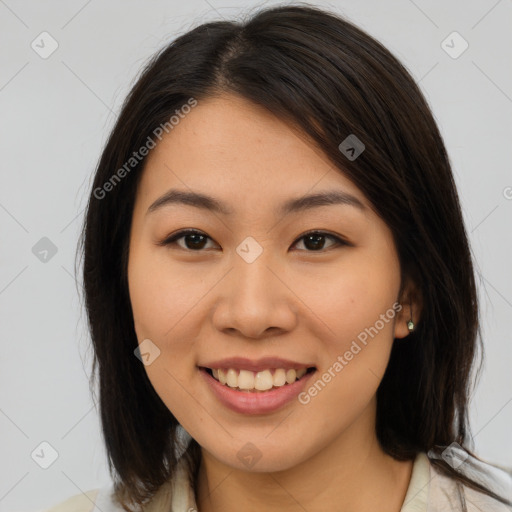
x,y
254,401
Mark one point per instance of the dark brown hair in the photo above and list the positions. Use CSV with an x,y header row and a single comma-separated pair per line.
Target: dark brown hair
x,y
330,79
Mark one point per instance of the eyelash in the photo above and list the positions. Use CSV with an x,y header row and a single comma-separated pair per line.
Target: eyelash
x,y
171,240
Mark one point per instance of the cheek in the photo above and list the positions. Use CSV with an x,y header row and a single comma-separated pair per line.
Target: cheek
x,y
161,298
351,296
355,311
356,350
160,293
164,301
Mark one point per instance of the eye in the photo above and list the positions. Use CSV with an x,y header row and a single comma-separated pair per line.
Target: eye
x,y
196,240
316,240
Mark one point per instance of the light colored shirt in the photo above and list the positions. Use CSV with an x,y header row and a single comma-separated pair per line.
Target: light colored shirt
x,y
428,491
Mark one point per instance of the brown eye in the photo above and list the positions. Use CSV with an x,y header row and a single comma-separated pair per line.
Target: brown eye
x,y
194,240
314,241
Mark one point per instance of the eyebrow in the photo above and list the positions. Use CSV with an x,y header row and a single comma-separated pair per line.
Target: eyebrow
x,y
205,202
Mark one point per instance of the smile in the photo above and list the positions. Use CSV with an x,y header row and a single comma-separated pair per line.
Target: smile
x,y
246,380
240,391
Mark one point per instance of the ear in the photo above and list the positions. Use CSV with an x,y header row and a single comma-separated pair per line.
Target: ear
x,y
412,305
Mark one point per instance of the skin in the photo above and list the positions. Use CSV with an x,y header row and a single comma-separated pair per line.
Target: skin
x,y
293,301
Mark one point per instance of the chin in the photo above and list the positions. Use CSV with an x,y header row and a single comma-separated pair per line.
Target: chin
x,y
252,459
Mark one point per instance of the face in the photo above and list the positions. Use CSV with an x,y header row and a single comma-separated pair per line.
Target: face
x,y
250,283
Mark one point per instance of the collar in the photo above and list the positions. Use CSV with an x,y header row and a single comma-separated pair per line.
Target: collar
x,y
179,496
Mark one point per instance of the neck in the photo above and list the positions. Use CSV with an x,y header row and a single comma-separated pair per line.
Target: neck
x,y
351,474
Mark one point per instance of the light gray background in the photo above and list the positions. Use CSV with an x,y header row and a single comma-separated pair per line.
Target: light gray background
x,y
55,117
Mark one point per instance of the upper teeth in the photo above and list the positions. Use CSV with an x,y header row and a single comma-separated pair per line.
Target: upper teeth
x,y
261,381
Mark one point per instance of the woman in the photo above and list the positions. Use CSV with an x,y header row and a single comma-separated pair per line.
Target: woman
x,y
278,282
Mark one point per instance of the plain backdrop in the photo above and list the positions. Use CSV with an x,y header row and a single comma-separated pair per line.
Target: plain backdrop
x,y
56,113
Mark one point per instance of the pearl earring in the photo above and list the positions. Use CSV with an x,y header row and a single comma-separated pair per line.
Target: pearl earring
x,y
410,323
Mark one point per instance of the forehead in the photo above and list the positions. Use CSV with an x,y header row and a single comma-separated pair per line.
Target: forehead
x,y
240,153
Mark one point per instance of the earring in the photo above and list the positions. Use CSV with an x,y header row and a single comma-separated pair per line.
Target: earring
x,y
410,323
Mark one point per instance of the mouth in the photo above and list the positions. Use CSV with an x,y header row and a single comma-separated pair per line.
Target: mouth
x,y
259,391
258,382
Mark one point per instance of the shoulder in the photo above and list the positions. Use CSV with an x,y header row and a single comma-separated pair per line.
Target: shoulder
x,y
446,493
176,495
95,500
83,502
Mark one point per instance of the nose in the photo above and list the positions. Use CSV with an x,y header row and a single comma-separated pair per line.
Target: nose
x,y
254,300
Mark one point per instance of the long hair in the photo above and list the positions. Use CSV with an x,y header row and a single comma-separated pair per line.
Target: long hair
x,y
331,80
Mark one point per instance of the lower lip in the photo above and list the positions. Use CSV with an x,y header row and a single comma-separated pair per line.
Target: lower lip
x,y
259,402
